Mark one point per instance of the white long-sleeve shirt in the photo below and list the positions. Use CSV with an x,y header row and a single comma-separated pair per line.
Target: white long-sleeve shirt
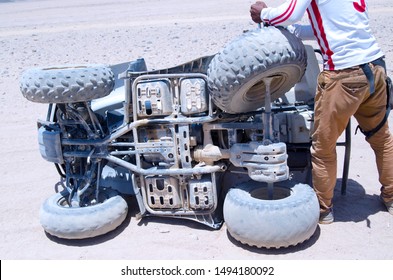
x,y
341,28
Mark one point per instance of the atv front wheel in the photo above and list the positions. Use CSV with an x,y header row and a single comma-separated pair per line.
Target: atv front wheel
x,y
235,75
63,221
66,84
291,217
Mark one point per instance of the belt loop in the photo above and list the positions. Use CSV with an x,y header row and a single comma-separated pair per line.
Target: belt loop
x,y
369,75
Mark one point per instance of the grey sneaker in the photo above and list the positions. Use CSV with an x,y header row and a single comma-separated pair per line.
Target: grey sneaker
x,y
389,206
326,217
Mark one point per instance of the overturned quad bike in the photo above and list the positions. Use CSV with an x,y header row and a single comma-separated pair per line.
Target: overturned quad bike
x,y
221,138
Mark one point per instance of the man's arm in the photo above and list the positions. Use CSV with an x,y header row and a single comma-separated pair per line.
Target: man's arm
x,y
304,32
286,14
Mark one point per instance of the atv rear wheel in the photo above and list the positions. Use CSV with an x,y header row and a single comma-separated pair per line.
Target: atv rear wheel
x,y
66,84
291,217
235,75
63,221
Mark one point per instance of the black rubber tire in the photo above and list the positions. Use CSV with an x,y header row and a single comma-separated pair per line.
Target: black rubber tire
x,y
66,84
290,218
235,74
82,222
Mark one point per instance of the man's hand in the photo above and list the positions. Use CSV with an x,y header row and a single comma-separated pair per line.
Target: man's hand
x,y
256,9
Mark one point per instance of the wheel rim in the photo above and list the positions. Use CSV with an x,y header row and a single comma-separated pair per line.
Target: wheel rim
x,y
91,200
278,193
256,94
62,202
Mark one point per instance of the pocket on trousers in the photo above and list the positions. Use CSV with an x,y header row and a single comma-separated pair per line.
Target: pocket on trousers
x,y
324,82
354,88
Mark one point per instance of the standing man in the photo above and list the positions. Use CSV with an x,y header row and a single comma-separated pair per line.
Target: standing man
x,y
353,83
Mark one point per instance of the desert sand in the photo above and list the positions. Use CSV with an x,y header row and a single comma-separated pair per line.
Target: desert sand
x,y
37,33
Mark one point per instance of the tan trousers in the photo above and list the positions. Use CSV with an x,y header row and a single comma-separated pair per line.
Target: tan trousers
x,y
340,95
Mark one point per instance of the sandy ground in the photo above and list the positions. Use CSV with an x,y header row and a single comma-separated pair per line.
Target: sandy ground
x,y
165,33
